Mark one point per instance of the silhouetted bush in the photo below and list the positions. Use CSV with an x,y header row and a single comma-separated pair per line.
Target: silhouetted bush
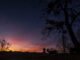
x,y
4,45
51,51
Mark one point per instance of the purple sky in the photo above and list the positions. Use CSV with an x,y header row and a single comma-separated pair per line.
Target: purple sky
x,y
21,25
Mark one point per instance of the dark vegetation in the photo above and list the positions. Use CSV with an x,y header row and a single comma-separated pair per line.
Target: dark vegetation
x,y
62,16
36,56
4,45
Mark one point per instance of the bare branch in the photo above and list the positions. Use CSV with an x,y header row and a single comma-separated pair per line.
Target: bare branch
x,y
74,16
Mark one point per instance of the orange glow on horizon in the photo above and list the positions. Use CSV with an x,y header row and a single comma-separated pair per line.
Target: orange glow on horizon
x,y
25,50
23,46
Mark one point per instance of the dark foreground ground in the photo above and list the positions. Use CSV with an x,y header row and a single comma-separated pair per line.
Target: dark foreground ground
x,y
21,56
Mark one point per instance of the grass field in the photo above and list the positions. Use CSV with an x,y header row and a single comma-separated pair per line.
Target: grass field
x,y
8,56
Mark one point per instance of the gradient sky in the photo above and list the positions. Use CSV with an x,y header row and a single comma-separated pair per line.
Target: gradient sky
x,y
20,24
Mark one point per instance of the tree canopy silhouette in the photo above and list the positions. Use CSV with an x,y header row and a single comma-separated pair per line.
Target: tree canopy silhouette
x,y
68,11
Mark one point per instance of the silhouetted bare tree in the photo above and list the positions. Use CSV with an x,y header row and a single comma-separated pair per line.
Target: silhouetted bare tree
x,y
70,14
4,45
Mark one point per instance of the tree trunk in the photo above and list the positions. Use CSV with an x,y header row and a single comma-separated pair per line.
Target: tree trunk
x,y
72,36
63,43
69,28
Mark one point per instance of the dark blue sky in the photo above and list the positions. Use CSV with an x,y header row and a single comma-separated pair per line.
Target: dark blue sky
x,y
20,15
21,25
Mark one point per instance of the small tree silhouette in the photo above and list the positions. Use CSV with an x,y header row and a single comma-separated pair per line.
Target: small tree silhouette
x,y
4,45
44,50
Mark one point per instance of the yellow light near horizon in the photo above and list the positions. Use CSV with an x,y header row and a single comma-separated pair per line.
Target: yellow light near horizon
x,y
24,50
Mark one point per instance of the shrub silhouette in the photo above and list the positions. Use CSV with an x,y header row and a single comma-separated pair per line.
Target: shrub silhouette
x,y
4,45
51,51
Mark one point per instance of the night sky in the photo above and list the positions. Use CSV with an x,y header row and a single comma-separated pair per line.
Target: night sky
x,y
21,26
